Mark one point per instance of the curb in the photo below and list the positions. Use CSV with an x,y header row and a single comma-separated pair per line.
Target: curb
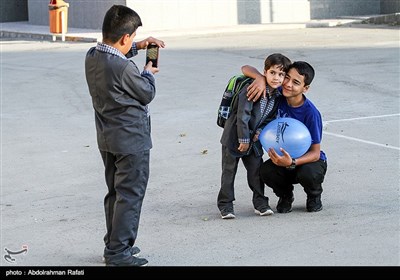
x,y
330,23
43,37
390,19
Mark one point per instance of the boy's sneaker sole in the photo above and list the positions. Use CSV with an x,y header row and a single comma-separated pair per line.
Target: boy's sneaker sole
x,y
228,216
133,262
317,209
267,212
314,204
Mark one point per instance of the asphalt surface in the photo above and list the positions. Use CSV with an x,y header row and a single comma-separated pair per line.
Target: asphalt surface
x,y
52,183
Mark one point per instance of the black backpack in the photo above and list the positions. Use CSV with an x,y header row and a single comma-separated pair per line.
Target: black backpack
x,y
229,98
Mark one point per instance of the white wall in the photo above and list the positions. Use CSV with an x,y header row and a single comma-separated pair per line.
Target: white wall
x,y
167,14
286,11
180,14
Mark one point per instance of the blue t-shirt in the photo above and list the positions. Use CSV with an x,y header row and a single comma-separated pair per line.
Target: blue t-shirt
x,y
307,114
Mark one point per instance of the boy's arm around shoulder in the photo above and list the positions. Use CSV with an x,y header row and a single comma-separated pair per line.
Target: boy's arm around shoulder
x,y
259,85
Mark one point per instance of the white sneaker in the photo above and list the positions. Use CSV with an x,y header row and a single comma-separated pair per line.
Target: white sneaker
x,y
228,216
266,212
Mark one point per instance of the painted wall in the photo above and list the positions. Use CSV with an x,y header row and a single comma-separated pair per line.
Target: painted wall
x,y
390,6
162,14
170,14
81,13
328,9
273,11
285,11
13,10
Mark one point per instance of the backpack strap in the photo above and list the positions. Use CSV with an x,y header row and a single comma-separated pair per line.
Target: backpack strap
x,y
238,83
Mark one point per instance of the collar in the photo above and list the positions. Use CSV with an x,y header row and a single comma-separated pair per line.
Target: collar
x,y
108,49
274,93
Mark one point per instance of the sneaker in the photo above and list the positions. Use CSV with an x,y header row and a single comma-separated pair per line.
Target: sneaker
x,y
135,253
264,212
285,204
133,261
314,204
227,214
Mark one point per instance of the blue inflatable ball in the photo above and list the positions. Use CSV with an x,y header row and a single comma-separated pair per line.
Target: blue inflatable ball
x,y
287,133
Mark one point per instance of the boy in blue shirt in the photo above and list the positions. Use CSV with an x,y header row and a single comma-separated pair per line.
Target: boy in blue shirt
x,y
281,172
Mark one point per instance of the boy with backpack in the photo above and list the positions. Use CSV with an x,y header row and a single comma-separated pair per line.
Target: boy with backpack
x,y
240,139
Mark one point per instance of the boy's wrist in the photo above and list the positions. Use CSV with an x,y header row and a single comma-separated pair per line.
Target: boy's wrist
x,y
141,45
147,72
292,166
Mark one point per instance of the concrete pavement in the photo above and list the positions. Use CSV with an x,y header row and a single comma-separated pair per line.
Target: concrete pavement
x,y
52,182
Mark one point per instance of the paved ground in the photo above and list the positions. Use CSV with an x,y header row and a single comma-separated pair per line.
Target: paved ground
x,y
52,183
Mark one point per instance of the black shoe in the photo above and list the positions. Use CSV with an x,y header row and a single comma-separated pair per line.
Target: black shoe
x,y
285,204
133,261
314,203
134,250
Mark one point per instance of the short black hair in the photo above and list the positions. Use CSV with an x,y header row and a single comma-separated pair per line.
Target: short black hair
x,y
118,21
277,59
304,69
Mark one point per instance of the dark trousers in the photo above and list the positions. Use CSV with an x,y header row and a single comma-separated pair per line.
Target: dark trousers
x,y
230,164
126,178
310,176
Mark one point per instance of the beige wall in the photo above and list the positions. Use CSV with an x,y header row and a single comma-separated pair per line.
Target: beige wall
x,y
171,14
285,11
167,14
